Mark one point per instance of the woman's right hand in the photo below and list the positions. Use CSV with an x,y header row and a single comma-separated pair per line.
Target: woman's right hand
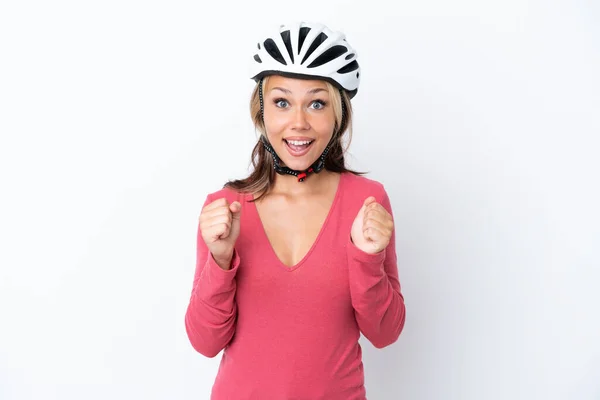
x,y
220,227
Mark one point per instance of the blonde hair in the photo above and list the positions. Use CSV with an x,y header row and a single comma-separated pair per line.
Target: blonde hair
x,y
262,178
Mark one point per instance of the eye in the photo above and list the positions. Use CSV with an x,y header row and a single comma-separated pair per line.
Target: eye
x,y
319,104
281,103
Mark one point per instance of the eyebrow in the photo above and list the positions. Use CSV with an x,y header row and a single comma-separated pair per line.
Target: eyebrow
x,y
311,91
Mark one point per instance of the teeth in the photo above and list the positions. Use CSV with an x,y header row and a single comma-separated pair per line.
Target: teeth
x,y
299,142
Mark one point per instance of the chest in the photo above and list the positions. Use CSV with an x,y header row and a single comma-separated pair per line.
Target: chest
x,y
294,264
293,228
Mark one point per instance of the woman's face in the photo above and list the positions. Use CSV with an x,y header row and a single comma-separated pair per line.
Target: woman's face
x,y
299,119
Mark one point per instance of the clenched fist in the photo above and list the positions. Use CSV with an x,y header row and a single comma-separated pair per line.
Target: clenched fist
x,y
220,227
372,228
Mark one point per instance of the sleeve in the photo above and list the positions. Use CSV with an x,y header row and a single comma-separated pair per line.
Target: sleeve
x,y
375,290
211,313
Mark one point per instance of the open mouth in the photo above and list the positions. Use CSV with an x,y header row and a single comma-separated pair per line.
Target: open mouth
x,y
298,147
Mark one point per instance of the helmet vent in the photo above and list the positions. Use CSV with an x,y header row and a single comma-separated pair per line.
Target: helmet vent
x,y
330,54
303,32
257,58
288,43
353,66
272,49
313,46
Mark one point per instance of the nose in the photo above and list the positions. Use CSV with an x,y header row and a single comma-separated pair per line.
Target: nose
x,y
300,120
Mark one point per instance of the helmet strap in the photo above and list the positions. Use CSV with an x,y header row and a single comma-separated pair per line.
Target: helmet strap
x,y
316,167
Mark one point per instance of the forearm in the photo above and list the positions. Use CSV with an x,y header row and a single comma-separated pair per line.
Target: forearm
x,y
211,314
376,296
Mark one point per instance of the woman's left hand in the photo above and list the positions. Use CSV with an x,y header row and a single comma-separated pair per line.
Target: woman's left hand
x,y
372,228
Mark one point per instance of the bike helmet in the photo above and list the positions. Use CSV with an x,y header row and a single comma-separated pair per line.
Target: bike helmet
x,y
308,51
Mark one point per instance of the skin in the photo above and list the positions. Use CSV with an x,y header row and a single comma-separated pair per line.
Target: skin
x,y
293,213
297,107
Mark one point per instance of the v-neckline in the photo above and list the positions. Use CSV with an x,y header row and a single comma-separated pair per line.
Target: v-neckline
x,y
272,252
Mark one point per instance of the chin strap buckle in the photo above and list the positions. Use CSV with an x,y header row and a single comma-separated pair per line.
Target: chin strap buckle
x,y
302,176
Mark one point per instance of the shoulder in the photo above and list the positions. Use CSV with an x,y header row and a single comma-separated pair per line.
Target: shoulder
x,y
363,187
229,194
358,188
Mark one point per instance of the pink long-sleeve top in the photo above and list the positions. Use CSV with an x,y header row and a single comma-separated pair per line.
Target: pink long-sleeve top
x,y
292,332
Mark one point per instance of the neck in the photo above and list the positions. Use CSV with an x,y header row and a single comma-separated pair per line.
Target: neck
x,y
314,183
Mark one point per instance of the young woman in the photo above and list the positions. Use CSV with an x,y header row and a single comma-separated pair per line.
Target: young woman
x,y
299,258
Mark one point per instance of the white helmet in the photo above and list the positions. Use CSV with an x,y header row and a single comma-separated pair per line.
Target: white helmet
x,y
308,50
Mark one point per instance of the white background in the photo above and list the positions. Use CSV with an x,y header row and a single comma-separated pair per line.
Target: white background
x,y
481,119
